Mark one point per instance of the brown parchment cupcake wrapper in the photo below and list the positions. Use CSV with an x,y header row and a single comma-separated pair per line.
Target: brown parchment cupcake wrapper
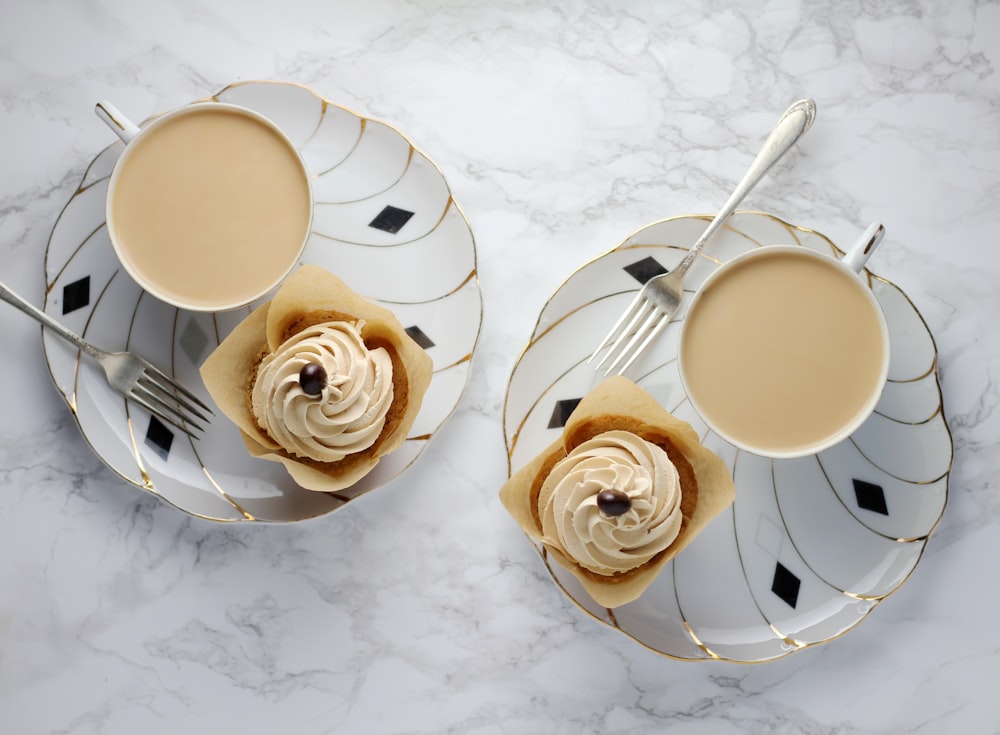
x,y
310,296
618,403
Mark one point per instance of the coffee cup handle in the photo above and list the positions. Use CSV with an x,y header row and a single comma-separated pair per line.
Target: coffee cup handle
x,y
114,119
857,256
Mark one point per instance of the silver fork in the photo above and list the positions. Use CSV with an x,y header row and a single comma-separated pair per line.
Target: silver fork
x,y
130,375
655,304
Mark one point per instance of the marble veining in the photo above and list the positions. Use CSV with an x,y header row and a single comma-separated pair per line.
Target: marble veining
x,y
421,608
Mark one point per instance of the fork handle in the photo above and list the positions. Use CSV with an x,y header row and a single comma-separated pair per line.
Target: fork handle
x,y
34,312
789,128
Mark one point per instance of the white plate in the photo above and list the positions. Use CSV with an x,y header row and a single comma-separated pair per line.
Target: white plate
x,y
385,221
810,545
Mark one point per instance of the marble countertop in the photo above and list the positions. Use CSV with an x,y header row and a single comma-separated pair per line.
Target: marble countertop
x,y
420,608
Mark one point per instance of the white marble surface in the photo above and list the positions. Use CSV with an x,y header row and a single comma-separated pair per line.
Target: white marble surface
x,y
420,608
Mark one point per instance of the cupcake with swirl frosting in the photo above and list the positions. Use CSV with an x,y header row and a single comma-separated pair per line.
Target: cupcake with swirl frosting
x,y
323,394
321,380
625,488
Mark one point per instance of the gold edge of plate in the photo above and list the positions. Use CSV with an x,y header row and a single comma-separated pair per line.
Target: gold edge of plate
x,y
932,370
922,541
548,568
71,403
325,104
793,230
933,367
794,643
247,516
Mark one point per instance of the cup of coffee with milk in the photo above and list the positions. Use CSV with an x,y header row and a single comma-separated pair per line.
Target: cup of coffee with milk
x,y
784,350
210,205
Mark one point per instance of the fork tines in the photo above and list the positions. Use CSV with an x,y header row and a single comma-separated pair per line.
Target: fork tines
x,y
638,325
170,401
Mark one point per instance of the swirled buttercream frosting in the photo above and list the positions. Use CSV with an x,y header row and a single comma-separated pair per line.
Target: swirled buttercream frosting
x,y
617,464
348,413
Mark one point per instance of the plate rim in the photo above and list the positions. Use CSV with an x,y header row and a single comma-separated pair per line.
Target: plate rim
x,y
793,646
147,485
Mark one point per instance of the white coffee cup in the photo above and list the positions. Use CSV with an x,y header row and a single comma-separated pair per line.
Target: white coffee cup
x,y
210,205
784,350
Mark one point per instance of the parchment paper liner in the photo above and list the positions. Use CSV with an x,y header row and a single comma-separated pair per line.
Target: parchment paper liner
x,y
618,403
312,295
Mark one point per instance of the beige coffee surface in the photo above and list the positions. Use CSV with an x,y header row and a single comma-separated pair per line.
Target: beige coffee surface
x,y
211,207
783,351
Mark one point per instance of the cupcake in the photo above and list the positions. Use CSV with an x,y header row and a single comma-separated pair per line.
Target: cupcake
x,y
319,379
624,489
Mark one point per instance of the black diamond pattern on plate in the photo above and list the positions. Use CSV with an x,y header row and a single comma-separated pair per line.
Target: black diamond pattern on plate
x,y
785,585
159,438
76,295
645,269
418,336
391,219
561,412
870,497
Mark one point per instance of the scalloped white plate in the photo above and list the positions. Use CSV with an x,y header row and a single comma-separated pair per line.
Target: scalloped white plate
x,y
810,545
385,221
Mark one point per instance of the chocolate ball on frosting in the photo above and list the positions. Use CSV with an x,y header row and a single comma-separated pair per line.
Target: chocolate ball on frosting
x,y
614,502
312,378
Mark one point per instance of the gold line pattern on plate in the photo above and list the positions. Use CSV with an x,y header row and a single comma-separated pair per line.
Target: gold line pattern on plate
x,y
464,359
83,243
465,240
702,646
150,485
208,474
191,442
512,439
380,192
802,557
319,123
927,420
793,644
850,511
357,141
147,480
444,213
473,276
83,333
897,477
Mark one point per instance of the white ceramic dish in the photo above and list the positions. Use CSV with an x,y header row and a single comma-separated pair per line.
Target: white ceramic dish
x,y
385,222
810,545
